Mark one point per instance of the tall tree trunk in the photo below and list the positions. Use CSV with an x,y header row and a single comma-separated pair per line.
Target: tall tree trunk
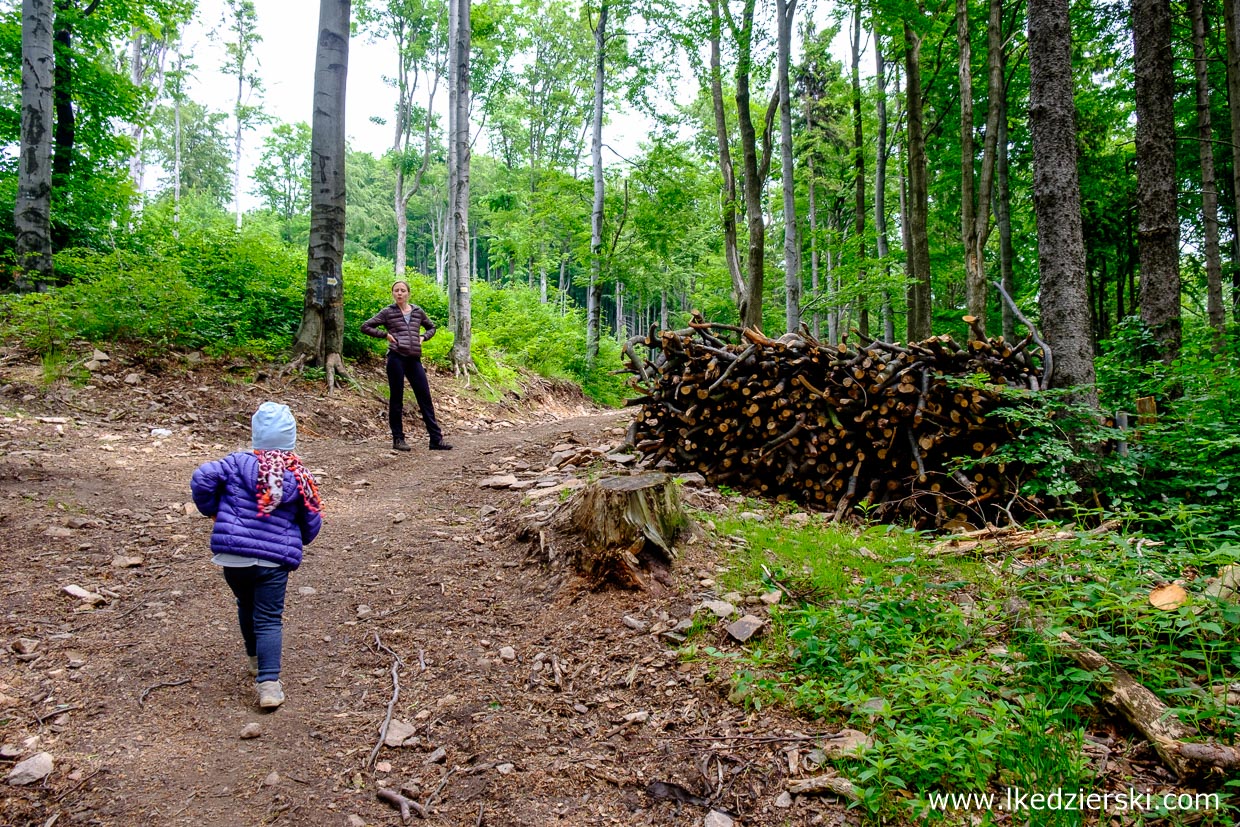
x,y
1209,189
880,186
237,150
728,196
784,10
459,295
320,338
812,185
919,305
1158,245
1057,199
66,120
594,290
754,173
32,211
1003,217
1233,109
863,308
176,162
402,224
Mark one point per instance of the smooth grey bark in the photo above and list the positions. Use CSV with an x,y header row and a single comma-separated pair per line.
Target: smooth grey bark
x,y
1057,199
1158,226
975,196
459,295
147,58
863,309
784,10
245,25
594,295
32,210
1209,188
812,185
1003,217
754,168
919,295
880,185
1233,109
728,194
320,338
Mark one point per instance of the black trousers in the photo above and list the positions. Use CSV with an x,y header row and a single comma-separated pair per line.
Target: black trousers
x,y
398,369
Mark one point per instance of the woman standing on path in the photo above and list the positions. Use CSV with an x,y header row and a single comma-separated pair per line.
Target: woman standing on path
x,y
402,325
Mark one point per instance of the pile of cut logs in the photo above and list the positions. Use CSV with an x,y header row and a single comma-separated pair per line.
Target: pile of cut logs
x,y
882,428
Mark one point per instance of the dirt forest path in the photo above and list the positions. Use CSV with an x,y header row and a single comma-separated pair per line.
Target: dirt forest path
x,y
531,699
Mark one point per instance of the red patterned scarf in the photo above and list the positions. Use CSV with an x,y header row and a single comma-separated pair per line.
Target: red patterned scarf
x,y
271,467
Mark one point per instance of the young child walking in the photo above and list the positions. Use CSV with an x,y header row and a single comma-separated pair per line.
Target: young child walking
x,y
265,504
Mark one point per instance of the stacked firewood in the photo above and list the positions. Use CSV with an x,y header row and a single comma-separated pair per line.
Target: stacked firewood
x,y
878,428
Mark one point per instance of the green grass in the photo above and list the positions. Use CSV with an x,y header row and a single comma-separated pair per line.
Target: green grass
x,y
926,655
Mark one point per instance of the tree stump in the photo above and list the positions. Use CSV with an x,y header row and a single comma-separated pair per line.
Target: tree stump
x,y
624,525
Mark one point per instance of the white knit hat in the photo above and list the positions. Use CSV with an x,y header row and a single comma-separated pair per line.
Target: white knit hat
x,y
274,428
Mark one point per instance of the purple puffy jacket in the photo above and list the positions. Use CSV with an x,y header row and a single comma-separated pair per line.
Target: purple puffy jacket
x,y
227,489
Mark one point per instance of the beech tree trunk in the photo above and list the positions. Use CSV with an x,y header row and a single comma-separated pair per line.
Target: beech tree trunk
x,y
754,175
919,296
863,309
32,211
1209,189
320,338
594,296
1057,199
1158,240
813,247
1233,109
1003,217
784,10
459,295
728,196
880,185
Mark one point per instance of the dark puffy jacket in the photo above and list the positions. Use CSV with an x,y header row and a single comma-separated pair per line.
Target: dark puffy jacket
x,y
408,334
227,489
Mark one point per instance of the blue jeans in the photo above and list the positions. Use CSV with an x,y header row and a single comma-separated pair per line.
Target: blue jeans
x,y
260,611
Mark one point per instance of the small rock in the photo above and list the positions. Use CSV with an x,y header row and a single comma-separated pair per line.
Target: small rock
x,y
620,459
504,769
499,481
398,734
190,509
194,357
799,519
772,597
77,522
132,379
487,511
122,561
9,751
58,531
159,433
83,595
35,768
720,608
356,821
272,779
635,624
745,628
25,645
93,365
508,653
734,598
307,591
784,800
750,516
383,766
717,819
639,717
360,483
251,730
692,479
399,517
436,757
363,610
846,742
100,356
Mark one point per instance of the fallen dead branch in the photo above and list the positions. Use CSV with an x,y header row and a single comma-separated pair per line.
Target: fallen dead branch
x,y
150,689
1009,538
826,783
407,806
387,720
